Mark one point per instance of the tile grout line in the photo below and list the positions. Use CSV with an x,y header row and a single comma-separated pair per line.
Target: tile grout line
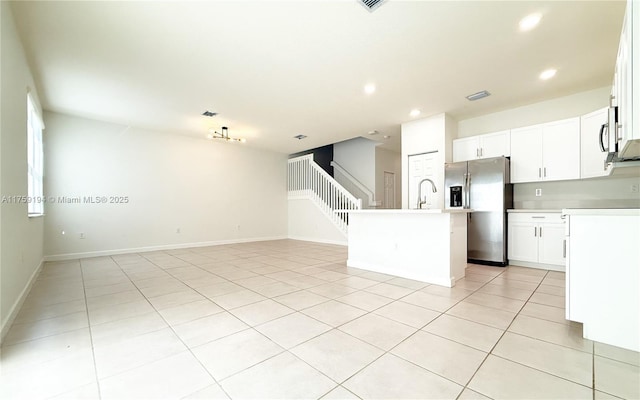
x,y
466,385
593,369
93,352
337,328
527,366
249,327
179,338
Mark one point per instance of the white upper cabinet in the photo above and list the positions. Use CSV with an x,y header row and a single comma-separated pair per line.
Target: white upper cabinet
x,y
627,83
526,154
591,156
495,144
466,149
482,146
546,152
561,150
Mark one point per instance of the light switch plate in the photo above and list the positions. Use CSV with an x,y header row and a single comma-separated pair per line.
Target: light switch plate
x,y
538,192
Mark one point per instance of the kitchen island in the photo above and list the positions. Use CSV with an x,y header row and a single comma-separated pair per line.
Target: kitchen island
x,y
603,274
424,245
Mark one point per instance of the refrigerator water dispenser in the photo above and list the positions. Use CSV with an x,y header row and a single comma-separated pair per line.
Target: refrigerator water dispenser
x,y
455,196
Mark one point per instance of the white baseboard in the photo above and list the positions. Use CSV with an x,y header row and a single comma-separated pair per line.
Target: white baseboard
x,y
314,240
528,264
113,252
6,324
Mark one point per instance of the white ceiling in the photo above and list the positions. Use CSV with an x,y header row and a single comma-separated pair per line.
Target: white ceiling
x,y
276,69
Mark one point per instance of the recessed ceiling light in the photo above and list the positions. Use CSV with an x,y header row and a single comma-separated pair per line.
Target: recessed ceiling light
x,y
369,88
386,136
548,74
530,21
374,132
415,112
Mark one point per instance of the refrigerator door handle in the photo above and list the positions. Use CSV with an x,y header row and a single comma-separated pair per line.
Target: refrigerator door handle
x,y
464,190
467,190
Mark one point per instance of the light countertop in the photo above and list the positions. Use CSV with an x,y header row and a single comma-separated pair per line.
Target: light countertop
x,y
408,211
533,211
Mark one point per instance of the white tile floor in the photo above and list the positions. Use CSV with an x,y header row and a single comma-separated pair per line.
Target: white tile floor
x,y
288,319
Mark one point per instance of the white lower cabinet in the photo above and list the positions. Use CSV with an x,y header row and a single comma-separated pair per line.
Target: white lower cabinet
x,y
536,240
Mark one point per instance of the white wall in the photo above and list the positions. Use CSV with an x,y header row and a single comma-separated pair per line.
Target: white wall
x,y
388,161
21,238
537,113
434,133
308,222
358,157
213,192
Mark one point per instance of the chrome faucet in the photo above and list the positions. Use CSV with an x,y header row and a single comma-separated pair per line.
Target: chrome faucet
x,y
433,186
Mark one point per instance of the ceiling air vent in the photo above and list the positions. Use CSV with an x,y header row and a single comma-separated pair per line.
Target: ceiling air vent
x,y
299,137
478,96
371,4
208,113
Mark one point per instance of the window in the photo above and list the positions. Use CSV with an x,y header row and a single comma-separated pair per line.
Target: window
x,y
34,160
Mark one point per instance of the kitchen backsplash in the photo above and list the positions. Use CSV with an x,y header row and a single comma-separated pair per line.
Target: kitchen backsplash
x,y
609,192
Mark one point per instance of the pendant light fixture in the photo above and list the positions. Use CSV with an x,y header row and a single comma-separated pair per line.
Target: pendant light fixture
x,y
224,135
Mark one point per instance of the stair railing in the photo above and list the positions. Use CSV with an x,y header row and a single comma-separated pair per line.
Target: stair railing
x,y
306,179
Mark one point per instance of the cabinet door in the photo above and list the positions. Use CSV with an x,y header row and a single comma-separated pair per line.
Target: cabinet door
x,y
495,144
465,149
561,150
523,241
628,89
526,154
551,248
591,157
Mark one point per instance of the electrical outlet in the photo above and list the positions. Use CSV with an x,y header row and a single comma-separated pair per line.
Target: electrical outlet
x,y
82,236
177,230
634,188
538,192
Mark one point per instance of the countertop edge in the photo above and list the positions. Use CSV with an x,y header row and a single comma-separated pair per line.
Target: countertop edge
x,y
534,211
406,211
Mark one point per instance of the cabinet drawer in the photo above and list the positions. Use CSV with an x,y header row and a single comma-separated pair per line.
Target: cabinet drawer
x,y
546,218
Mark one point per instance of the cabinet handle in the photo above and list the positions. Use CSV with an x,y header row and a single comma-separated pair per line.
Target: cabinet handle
x,y
477,152
539,172
538,216
545,172
564,248
540,231
481,151
535,231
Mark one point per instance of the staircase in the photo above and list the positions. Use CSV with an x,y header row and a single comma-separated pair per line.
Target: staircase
x,y
308,180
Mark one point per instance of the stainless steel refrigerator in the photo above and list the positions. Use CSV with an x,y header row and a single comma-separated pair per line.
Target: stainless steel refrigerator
x,y
482,186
